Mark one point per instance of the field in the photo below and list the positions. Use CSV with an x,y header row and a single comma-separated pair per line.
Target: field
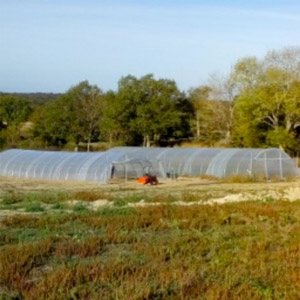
x,y
184,239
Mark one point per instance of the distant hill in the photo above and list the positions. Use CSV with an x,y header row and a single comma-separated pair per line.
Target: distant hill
x,y
35,97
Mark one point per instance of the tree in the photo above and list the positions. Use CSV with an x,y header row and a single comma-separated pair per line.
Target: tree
x,y
52,124
287,59
263,98
11,135
120,108
73,116
85,104
211,116
269,113
13,110
160,110
199,98
115,123
223,94
147,110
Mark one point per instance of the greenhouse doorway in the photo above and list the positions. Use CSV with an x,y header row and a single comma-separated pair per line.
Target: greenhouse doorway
x,y
131,169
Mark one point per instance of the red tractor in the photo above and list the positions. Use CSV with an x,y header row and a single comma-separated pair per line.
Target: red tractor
x,y
148,179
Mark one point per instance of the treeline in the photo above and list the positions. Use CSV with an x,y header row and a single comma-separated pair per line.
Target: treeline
x,y
256,105
34,97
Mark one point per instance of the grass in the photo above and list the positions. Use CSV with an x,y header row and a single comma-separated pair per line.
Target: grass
x,y
242,179
247,250
79,207
34,207
51,201
59,206
91,195
235,251
116,211
11,198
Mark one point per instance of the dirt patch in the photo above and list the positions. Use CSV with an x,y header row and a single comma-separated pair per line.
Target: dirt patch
x,y
100,203
292,194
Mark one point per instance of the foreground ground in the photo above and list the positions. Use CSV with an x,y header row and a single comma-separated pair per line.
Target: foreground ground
x,y
185,239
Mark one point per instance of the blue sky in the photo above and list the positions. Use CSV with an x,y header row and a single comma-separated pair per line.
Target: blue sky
x,y
49,45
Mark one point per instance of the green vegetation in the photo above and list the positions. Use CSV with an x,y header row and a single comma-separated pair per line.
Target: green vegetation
x,y
135,242
256,105
145,111
234,251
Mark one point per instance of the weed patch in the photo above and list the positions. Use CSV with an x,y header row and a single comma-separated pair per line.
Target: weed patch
x,y
80,207
34,207
12,197
59,206
91,195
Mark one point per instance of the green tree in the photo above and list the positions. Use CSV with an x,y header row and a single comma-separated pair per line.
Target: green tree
x,y
11,135
14,111
245,74
52,124
269,113
84,102
115,123
74,116
147,110
160,110
266,100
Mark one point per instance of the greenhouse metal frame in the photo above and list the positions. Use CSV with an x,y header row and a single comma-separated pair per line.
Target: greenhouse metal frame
x,y
133,162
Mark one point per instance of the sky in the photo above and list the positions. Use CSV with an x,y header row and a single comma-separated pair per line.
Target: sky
x,y
50,45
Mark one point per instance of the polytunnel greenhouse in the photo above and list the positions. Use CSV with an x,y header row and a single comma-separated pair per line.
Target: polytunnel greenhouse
x,y
133,162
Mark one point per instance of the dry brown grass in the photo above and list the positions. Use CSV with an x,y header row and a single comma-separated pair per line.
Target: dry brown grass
x,y
92,195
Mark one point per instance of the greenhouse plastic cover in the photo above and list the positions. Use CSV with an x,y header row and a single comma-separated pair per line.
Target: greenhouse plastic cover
x,y
133,162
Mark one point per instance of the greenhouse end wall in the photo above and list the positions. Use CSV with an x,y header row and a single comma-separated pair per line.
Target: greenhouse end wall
x,y
133,162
